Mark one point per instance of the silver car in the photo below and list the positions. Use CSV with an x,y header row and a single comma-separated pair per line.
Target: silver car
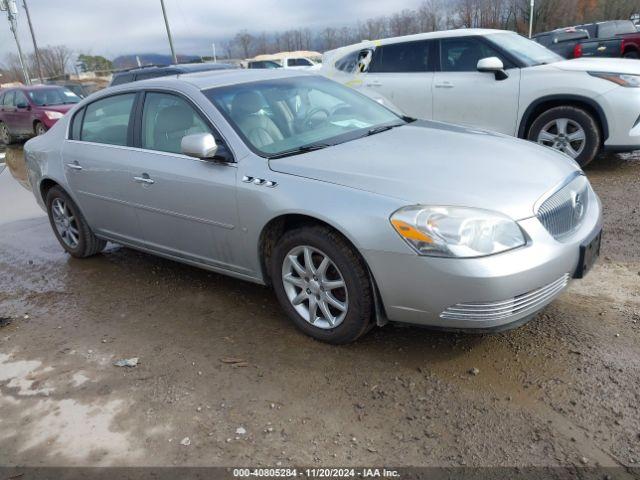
x,y
355,215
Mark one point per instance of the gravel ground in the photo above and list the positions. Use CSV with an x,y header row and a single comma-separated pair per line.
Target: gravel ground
x,y
224,379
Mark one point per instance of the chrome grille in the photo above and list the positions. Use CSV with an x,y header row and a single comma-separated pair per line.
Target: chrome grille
x,y
563,212
506,308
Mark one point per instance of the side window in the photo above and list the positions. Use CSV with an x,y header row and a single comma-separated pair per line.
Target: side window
x,y
76,125
401,58
20,99
107,120
7,101
166,119
463,54
120,79
347,63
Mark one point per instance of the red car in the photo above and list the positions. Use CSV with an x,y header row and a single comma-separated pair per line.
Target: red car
x,y
29,111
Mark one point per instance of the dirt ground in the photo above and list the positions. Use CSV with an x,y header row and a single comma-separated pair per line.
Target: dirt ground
x,y
561,390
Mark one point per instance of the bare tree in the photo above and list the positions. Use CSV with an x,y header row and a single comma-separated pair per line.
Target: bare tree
x,y
55,60
244,40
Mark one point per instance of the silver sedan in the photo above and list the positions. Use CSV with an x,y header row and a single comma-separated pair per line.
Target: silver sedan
x,y
355,215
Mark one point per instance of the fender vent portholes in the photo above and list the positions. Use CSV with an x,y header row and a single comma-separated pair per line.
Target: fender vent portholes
x,y
259,181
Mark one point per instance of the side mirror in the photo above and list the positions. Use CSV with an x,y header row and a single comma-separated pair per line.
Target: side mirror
x,y
199,145
22,106
492,65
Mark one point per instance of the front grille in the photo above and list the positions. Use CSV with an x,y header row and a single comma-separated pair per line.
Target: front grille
x,y
506,308
563,212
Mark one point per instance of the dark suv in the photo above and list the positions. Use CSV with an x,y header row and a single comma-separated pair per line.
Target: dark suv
x,y
155,71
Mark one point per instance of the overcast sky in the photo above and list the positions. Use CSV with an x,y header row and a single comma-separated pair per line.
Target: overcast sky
x,y
114,27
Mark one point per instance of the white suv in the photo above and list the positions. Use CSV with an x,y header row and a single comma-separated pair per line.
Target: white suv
x,y
500,81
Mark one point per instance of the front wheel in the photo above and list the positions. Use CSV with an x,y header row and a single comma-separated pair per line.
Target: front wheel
x,y
40,129
5,136
70,227
571,130
322,284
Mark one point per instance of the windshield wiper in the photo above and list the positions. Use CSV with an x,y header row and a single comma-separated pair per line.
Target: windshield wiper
x,y
380,129
299,150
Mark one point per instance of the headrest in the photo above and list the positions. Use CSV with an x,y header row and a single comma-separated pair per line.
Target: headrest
x,y
246,103
175,118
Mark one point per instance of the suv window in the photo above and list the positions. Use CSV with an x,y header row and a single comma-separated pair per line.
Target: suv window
x,y
166,119
401,57
298,62
7,101
120,79
347,63
107,120
463,54
20,99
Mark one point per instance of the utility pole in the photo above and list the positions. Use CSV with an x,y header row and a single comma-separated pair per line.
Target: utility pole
x,y
166,23
12,12
215,60
35,45
531,19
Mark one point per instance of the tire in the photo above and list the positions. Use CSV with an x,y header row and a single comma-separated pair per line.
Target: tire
x,y
39,129
631,55
5,137
573,117
345,263
86,244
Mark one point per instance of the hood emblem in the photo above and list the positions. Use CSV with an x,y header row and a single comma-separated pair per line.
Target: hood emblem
x,y
577,203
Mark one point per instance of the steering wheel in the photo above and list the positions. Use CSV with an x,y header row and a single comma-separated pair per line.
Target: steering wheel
x,y
308,121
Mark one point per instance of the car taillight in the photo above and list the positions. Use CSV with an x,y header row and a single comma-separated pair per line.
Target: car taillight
x,y
622,46
577,51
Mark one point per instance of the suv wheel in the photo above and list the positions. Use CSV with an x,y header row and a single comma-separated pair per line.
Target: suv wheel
x,y
631,55
5,137
40,129
571,130
70,227
322,284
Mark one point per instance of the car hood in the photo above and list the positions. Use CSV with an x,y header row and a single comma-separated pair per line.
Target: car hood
x,y
439,164
617,65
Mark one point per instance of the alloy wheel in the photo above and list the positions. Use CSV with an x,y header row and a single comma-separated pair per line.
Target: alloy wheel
x,y
40,130
564,134
65,223
4,134
315,287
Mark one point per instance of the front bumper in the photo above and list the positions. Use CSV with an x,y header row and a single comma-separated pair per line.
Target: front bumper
x,y
622,109
426,290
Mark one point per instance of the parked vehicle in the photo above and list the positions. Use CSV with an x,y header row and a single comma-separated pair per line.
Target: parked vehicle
x,y
503,82
82,90
615,38
29,111
155,71
263,64
352,213
299,63
562,41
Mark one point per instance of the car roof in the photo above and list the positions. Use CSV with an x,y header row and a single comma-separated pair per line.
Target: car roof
x,y
217,78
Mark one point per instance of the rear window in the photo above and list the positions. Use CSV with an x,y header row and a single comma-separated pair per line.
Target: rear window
x,y
76,125
618,27
347,63
401,57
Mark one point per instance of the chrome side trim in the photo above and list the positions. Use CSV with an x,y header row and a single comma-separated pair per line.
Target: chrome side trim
x,y
556,189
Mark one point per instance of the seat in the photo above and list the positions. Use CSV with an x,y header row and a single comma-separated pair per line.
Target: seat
x,y
259,129
172,124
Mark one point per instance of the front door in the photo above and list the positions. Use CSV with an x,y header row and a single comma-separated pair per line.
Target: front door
x,y
22,114
186,206
463,95
96,163
403,74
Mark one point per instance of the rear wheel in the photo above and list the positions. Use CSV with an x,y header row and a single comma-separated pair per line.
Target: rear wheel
x,y
322,283
5,137
571,130
69,225
631,55
39,129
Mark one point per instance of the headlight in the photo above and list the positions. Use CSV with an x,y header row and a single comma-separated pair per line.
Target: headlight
x,y
456,231
622,79
51,115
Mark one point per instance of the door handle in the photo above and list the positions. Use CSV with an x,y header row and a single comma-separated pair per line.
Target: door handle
x,y
444,85
144,179
374,84
74,166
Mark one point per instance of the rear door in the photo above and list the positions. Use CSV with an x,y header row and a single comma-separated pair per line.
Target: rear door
x,y
463,95
22,114
403,73
96,161
186,206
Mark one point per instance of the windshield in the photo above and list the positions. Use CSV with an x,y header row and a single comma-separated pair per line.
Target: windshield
x,y
53,96
527,51
288,115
